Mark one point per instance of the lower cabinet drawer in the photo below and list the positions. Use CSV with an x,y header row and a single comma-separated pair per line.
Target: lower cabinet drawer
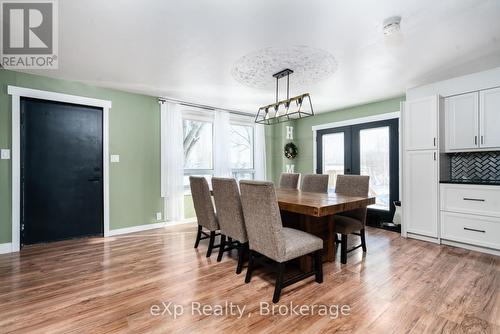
x,y
471,229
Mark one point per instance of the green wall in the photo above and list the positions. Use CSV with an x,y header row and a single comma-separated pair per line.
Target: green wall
x,y
134,134
303,135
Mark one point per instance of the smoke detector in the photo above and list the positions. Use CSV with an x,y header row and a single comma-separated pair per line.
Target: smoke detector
x,y
391,25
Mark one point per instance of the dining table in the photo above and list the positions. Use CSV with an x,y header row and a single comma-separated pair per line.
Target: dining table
x,y
315,213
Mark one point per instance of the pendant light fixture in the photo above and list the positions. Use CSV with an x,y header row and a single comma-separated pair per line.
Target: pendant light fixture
x,y
286,110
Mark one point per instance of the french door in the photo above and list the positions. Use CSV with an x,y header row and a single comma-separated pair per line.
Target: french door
x,y
364,149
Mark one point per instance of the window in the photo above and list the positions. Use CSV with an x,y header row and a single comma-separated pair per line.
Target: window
x,y
242,151
198,142
199,145
198,149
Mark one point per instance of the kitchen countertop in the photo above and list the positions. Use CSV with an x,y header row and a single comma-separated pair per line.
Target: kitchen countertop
x,y
476,182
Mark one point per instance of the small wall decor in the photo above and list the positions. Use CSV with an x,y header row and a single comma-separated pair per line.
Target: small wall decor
x,y
290,168
290,151
289,132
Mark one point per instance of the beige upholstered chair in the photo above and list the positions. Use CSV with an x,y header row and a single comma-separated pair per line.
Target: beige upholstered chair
x,y
289,180
268,237
230,216
351,222
315,183
204,212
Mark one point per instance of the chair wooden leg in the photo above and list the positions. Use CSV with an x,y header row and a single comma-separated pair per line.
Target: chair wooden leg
x,y
318,264
248,276
343,249
221,247
211,243
241,254
198,236
363,239
279,282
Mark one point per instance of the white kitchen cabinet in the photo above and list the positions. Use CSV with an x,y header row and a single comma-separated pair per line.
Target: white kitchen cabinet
x,y
489,118
421,196
462,122
471,229
421,123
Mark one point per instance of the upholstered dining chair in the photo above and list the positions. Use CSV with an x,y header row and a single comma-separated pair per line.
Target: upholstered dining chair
x,y
268,239
230,215
314,183
205,212
351,222
289,180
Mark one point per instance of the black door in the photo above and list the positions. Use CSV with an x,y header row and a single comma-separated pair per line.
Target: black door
x,y
367,149
61,171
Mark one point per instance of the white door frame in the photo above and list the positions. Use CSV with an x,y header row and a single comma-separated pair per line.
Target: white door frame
x,y
17,93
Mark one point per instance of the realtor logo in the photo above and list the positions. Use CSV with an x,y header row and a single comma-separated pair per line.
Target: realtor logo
x,y
29,34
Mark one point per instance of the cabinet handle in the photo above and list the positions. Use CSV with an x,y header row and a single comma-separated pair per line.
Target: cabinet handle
x,y
482,140
434,156
473,199
434,141
475,140
474,230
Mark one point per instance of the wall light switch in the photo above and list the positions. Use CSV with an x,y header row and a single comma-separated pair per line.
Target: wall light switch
x,y
5,154
158,216
115,158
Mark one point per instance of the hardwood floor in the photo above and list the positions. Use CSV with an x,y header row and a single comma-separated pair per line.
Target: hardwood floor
x,y
109,285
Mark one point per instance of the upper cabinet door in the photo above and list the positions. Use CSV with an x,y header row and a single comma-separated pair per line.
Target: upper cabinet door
x,y
421,123
462,122
489,118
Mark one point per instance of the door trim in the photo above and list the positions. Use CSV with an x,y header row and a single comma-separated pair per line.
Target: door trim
x,y
16,94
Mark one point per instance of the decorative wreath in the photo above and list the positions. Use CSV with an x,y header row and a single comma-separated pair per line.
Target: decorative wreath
x,y
290,151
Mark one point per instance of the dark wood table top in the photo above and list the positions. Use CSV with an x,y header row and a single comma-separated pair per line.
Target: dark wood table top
x,y
317,204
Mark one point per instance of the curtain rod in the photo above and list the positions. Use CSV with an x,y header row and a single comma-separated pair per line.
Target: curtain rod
x,y
203,106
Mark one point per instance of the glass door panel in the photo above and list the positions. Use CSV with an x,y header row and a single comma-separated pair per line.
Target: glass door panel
x,y
333,156
374,161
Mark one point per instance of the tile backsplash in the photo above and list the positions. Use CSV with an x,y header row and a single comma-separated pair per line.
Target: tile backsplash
x,y
483,166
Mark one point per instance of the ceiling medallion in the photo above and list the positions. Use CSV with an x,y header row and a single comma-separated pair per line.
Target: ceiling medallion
x,y
286,110
310,65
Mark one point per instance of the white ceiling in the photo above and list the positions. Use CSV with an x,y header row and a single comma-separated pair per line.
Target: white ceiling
x,y
186,49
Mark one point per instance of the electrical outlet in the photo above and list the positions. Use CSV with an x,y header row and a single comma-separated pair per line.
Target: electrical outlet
x,y
5,154
115,158
158,216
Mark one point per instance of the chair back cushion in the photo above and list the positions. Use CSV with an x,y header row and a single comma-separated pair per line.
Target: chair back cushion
x,y
315,183
289,180
262,218
353,185
203,205
229,211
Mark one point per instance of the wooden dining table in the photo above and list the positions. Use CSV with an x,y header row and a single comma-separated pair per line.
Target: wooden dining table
x,y
314,213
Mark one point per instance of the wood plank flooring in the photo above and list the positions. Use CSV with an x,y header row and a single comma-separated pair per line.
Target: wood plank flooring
x,y
99,285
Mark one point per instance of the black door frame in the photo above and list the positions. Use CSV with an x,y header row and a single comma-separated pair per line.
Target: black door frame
x,y
23,157
352,158
347,148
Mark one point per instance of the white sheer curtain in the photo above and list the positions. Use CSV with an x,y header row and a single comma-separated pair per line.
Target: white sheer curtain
x,y
222,128
172,160
260,152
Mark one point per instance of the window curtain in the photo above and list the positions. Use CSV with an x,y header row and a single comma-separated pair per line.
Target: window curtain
x,y
260,152
222,147
172,160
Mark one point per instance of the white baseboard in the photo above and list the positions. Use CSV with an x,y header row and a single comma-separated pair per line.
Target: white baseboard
x,y
181,222
6,248
471,247
422,237
138,228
